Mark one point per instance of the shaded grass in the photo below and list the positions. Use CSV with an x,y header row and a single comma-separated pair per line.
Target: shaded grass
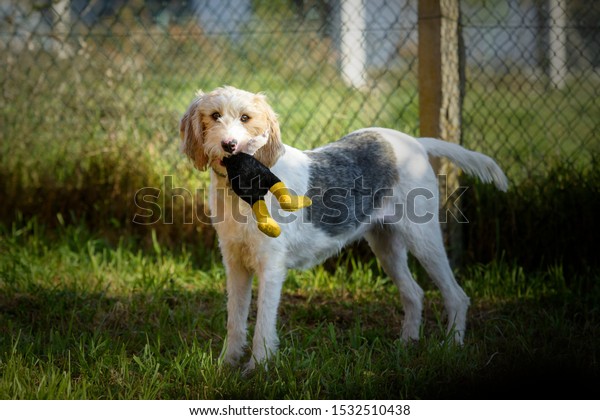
x,y
80,318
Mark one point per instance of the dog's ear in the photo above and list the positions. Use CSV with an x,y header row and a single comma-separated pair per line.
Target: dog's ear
x,y
192,136
274,149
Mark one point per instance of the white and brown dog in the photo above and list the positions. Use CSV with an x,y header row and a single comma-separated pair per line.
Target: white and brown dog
x,y
374,183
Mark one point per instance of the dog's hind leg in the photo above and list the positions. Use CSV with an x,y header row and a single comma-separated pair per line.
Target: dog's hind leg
x,y
426,244
389,248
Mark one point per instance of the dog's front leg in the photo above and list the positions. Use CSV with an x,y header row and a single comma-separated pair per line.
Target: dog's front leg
x,y
239,295
265,341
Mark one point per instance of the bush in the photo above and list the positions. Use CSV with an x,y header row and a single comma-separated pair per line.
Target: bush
x,y
545,220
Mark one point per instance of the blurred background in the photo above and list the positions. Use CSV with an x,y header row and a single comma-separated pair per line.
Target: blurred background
x,y
92,93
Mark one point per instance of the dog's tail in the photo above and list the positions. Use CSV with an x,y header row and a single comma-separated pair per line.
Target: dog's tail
x,y
473,163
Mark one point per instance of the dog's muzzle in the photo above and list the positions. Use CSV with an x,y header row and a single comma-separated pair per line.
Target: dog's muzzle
x,y
229,145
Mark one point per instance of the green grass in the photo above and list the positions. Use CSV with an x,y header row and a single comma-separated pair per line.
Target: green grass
x,y
81,317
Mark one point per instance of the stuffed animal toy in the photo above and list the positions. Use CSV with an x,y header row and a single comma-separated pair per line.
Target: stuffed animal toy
x,y
251,180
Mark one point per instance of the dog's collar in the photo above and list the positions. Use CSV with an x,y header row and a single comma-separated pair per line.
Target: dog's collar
x,y
219,173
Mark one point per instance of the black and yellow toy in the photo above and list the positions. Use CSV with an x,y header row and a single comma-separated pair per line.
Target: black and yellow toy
x,y
251,180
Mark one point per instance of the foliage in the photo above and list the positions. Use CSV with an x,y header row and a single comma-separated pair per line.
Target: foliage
x,y
549,219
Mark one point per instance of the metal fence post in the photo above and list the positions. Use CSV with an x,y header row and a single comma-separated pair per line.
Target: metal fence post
x,y
440,99
62,26
557,53
353,54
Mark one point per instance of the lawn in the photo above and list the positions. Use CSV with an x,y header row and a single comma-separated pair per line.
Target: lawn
x,y
81,317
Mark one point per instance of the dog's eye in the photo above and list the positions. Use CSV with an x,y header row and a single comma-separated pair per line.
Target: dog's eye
x,y
215,116
244,118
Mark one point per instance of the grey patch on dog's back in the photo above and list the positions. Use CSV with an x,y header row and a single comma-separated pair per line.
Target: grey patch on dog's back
x,y
348,180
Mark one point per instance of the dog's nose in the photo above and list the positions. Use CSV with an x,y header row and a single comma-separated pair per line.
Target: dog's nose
x,y
229,145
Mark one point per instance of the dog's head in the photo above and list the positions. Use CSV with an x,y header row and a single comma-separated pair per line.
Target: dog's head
x,y
229,120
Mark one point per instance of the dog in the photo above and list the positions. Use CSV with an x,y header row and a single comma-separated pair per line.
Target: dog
x,y
374,183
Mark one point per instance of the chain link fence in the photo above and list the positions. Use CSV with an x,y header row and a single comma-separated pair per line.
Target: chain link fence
x,y
532,83
92,91
153,56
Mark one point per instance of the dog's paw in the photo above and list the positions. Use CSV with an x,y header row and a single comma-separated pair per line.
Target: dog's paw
x,y
231,355
249,368
253,367
231,361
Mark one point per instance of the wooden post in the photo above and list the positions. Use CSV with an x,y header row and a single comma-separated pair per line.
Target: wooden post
x,y
440,91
